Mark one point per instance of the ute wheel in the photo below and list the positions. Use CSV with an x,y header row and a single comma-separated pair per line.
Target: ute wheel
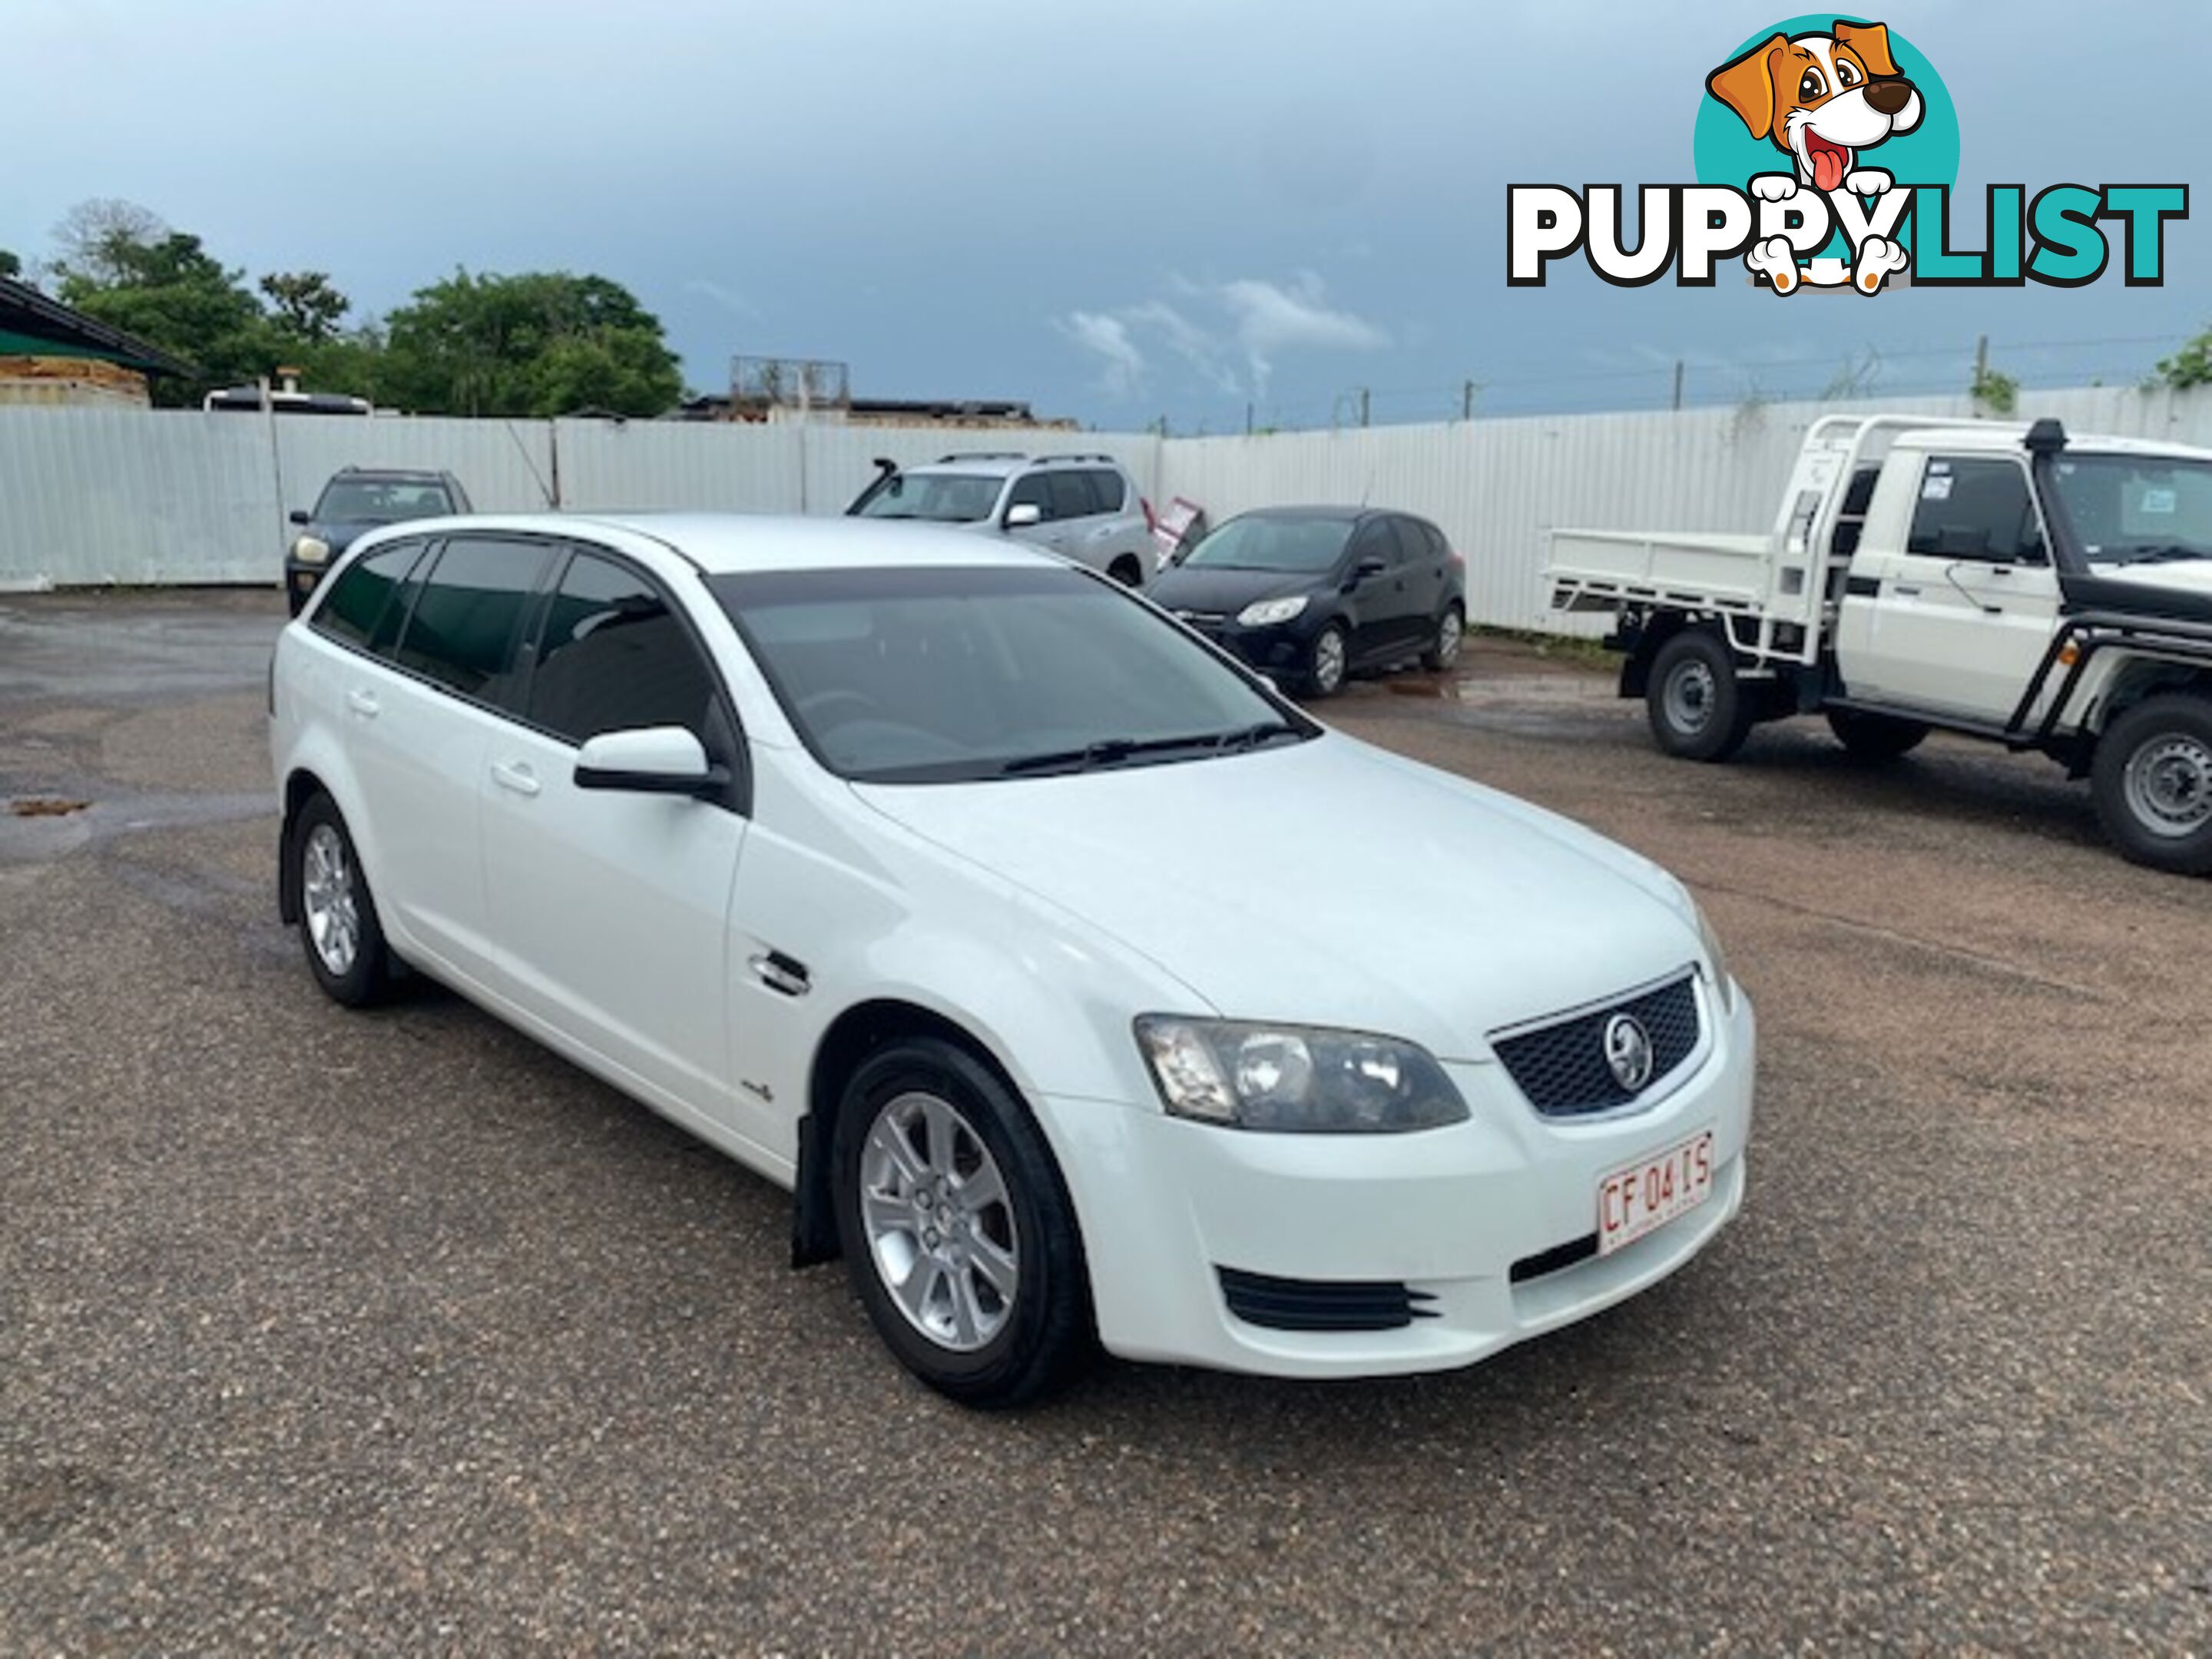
x,y
958,1235
339,925
1444,644
1698,708
1874,737
2153,783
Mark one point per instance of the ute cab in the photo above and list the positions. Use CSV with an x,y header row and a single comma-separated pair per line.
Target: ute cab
x,y
2003,582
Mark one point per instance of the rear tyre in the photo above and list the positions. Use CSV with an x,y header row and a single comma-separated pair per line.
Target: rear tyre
x,y
1127,571
1327,661
339,925
958,1235
1874,737
1444,644
2152,779
1697,704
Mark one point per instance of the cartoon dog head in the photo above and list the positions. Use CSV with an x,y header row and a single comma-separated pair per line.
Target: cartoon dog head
x,y
1821,98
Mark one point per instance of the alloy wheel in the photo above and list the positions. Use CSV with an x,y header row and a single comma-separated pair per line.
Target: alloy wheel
x,y
327,895
939,1222
1329,661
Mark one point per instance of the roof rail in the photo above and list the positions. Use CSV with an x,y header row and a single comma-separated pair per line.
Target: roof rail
x,y
982,455
1089,455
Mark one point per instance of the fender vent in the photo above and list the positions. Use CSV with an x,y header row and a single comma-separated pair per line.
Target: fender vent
x,y
1322,1304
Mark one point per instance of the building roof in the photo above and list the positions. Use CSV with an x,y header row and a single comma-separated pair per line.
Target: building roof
x,y
31,319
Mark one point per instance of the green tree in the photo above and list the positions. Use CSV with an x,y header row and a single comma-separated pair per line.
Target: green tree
x,y
171,292
535,343
2190,366
9,265
306,305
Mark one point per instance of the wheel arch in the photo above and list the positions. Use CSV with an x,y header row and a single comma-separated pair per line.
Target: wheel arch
x,y
1655,631
302,785
858,1032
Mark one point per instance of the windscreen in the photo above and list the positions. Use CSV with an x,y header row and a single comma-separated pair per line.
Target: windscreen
x,y
1300,546
955,674
2135,509
941,497
380,500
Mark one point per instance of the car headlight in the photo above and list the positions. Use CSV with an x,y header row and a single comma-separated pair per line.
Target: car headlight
x,y
1724,986
311,550
1298,1079
1261,613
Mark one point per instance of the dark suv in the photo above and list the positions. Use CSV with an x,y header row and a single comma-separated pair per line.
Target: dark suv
x,y
1307,594
358,499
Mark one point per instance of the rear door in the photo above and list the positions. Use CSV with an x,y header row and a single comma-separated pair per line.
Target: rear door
x,y
420,718
610,909
1424,565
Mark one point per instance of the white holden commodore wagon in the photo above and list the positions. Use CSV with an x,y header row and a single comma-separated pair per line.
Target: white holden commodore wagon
x,y
1079,987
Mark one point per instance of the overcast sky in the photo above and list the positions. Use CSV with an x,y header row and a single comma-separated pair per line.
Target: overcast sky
x,y
1116,211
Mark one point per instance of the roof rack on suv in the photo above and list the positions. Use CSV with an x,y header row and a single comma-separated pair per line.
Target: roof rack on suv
x,y
982,455
1094,455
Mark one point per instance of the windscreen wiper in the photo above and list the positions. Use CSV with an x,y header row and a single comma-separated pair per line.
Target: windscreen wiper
x,y
1251,736
1107,752
2167,552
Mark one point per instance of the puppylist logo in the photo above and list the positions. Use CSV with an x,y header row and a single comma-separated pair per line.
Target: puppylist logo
x,y
1825,151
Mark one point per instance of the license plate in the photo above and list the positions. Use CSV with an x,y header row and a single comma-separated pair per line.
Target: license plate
x,y
1649,1193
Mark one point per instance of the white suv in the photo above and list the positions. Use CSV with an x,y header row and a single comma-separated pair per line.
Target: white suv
x,y
1084,508
814,837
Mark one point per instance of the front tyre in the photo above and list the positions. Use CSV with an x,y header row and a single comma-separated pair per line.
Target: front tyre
x,y
339,925
2151,779
1875,738
1696,703
958,1235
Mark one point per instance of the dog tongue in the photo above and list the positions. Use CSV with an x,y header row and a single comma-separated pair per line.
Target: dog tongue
x,y
1827,169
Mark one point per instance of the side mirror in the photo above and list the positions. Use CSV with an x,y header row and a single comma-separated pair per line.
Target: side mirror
x,y
654,760
1372,565
1023,514
298,515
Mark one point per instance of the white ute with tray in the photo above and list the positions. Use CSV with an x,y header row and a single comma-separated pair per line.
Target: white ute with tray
x,y
2004,581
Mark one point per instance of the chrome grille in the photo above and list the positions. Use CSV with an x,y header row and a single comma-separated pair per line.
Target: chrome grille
x,y
1562,1068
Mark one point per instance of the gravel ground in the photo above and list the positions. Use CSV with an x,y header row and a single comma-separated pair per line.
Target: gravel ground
x,y
394,1333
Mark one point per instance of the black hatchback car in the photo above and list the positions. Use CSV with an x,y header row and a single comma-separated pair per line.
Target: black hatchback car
x,y
356,500
1307,594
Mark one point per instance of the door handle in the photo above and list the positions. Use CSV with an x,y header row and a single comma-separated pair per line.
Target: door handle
x,y
1903,592
779,973
515,775
364,703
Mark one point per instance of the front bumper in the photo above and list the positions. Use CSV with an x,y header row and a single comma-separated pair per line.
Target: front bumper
x,y
1166,1205
1279,648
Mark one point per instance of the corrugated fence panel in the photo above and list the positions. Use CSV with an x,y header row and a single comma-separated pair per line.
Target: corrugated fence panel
x,y
91,496
136,495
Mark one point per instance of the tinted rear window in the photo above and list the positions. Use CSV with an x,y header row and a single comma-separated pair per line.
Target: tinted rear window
x,y
1109,488
463,630
1071,496
363,594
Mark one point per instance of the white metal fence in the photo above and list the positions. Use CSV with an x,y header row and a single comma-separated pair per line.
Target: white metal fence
x,y
91,496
